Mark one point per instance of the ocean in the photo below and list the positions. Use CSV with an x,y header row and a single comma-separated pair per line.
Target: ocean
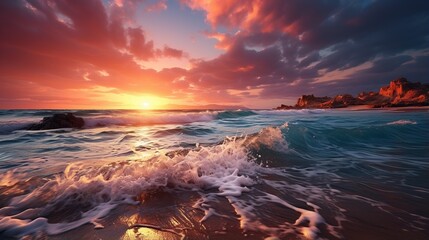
x,y
244,174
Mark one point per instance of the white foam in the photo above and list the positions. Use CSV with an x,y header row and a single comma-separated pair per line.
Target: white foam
x,y
104,187
227,168
285,125
402,122
270,137
312,217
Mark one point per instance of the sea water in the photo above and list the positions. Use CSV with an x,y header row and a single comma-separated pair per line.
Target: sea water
x,y
244,174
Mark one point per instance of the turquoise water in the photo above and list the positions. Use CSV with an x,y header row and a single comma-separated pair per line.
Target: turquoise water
x,y
332,174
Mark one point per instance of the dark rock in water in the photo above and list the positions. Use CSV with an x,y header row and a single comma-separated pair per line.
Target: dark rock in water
x,y
58,120
285,107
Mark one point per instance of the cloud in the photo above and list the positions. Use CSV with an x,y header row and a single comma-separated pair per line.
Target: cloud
x,y
65,45
272,48
172,52
294,43
292,16
157,6
138,45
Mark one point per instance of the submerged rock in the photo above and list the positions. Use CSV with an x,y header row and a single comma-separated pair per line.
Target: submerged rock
x,y
58,120
285,107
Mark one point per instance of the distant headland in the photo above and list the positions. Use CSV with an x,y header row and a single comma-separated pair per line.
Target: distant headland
x,y
399,93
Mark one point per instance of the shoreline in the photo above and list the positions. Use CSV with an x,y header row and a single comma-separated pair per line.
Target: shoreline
x,y
366,108
400,93
369,108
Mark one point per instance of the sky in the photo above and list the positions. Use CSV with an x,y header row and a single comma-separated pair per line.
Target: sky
x,y
160,54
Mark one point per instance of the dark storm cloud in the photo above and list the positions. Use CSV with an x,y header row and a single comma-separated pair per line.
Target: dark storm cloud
x,y
314,39
389,64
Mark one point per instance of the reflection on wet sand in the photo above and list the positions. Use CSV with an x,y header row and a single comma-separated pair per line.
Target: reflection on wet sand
x,y
148,233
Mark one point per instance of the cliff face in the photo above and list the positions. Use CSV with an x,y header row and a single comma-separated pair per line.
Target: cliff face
x,y
341,101
399,93
396,88
404,93
310,101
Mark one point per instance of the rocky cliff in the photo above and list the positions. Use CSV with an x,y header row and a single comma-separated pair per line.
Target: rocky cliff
x,y
399,93
310,101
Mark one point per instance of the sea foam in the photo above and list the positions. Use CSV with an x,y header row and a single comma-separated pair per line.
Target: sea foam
x,y
402,122
151,119
99,188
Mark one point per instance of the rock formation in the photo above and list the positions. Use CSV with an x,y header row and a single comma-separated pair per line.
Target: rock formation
x,y
58,120
399,93
340,101
404,93
310,101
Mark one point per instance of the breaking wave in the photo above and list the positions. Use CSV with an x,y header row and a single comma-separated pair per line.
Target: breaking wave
x,y
231,168
104,118
141,120
10,126
402,122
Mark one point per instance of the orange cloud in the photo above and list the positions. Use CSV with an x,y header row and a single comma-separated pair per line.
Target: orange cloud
x,y
264,15
157,6
92,52
39,51
172,52
245,68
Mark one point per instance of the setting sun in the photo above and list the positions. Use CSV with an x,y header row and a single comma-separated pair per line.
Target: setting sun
x,y
147,101
145,105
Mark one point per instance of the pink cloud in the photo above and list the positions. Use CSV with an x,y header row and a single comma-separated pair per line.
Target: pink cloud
x,y
138,44
271,48
172,52
159,5
293,16
36,46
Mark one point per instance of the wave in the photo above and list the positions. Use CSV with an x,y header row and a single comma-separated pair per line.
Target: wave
x,y
186,130
402,122
10,126
141,120
164,118
95,189
105,118
235,114
291,111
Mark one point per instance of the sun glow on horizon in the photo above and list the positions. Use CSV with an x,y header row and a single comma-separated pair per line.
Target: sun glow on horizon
x,y
148,102
145,105
142,102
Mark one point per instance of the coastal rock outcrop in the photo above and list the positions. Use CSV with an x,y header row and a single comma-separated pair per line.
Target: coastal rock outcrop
x,y
340,101
310,101
404,93
58,120
398,93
